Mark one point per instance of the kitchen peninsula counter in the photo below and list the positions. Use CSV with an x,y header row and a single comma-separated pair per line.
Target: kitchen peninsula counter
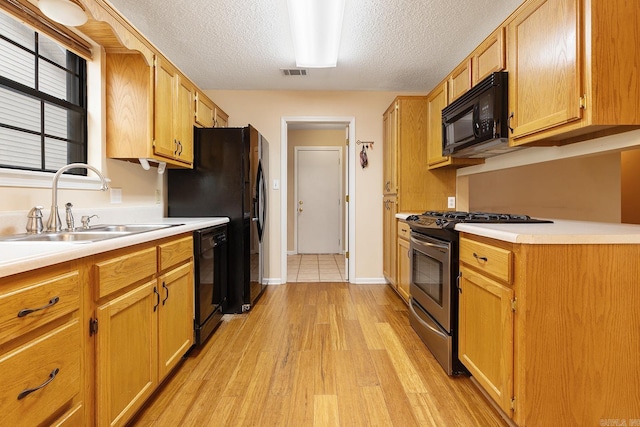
x,y
560,232
17,257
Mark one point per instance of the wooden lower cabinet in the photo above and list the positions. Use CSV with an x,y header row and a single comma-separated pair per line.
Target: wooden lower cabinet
x,y
550,331
40,377
389,210
175,317
485,342
144,327
126,355
41,347
403,254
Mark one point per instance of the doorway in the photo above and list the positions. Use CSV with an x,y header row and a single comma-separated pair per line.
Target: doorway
x,y
288,197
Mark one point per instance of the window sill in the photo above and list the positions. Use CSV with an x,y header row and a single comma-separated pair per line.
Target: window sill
x,y
32,179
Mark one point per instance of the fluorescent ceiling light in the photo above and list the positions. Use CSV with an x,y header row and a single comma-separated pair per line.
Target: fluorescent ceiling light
x,y
316,26
65,12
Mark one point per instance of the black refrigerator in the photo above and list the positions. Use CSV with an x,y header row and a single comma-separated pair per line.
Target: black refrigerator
x,y
229,179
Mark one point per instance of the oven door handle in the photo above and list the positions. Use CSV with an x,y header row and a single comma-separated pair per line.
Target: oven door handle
x,y
433,245
424,323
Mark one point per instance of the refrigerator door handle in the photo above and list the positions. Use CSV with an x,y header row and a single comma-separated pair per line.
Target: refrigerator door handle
x,y
261,199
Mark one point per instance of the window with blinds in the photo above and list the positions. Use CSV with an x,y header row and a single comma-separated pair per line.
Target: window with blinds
x,y
43,111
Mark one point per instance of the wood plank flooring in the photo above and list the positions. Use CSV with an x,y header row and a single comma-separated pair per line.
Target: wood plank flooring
x,y
317,354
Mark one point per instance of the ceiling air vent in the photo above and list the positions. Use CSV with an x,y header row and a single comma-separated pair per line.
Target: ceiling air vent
x,y
294,71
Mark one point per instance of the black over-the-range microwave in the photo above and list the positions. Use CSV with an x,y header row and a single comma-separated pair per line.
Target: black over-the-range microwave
x,y
476,124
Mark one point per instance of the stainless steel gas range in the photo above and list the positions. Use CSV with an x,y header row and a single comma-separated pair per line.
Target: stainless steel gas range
x,y
433,306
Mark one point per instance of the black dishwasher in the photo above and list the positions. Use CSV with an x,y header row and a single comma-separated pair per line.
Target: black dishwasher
x,y
210,247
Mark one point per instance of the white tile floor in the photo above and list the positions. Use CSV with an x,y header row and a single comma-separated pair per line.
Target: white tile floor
x,y
316,268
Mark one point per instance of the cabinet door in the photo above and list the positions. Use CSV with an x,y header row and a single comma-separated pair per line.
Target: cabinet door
x,y
460,80
163,132
221,119
204,111
545,81
390,149
126,354
175,320
489,56
183,116
485,343
404,270
436,101
389,239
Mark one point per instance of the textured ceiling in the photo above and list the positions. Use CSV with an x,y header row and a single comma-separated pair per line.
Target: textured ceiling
x,y
387,45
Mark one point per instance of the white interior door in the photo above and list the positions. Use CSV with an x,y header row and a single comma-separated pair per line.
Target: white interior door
x,y
318,199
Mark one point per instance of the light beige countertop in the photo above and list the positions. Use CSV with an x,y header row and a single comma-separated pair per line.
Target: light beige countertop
x,y
16,257
560,232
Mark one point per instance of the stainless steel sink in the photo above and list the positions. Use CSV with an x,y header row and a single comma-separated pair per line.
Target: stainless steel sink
x,y
128,228
98,232
66,236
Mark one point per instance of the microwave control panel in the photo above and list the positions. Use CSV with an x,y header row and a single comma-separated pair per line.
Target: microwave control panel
x,y
485,123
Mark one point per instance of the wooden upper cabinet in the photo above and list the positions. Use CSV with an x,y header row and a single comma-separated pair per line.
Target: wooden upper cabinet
x,y
129,106
390,144
164,143
436,101
221,118
567,60
204,111
184,120
489,57
460,80
150,110
173,113
544,61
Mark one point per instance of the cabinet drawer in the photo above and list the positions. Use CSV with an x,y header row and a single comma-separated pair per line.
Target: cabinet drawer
x,y
74,417
118,273
32,306
491,260
33,365
174,252
404,232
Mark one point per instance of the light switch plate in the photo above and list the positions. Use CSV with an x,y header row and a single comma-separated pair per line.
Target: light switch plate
x,y
116,195
276,184
451,202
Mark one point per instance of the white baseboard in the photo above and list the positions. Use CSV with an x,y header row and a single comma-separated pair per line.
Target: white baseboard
x,y
292,253
370,281
272,281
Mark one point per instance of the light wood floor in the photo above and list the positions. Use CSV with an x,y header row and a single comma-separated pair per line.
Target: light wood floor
x,y
317,354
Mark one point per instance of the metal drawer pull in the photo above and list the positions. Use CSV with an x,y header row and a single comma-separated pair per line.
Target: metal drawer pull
x,y
52,376
53,301
155,291
480,258
166,289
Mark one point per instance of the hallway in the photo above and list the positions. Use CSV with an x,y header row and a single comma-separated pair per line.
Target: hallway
x,y
316,268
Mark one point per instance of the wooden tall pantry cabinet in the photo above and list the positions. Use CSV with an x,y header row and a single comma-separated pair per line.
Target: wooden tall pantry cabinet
x,y
408,186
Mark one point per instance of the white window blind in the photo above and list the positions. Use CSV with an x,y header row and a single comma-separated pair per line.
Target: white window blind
x,y
42,101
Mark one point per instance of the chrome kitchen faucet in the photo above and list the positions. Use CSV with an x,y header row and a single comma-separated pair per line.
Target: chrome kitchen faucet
x,y
54,218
